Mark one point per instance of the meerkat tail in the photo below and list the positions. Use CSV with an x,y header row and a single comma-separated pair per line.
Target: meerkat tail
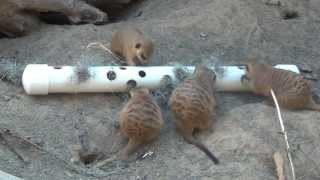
x,y
202,147
278,160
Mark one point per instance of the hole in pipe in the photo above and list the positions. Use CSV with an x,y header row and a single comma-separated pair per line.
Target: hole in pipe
x,y
57,67
111,75
142,74
123,68
131,84
242,67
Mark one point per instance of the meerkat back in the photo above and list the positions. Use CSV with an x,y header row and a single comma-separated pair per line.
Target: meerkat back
x,y
140,120
291,89
192,104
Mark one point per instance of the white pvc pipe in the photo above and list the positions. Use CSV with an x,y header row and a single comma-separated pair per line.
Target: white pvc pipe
x,y
41,79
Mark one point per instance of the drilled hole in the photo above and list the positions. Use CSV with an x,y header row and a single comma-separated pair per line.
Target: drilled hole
x,y
111,75
142,73
57,67
131,84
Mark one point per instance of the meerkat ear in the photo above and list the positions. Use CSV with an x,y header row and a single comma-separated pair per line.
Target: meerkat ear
x,y
138,46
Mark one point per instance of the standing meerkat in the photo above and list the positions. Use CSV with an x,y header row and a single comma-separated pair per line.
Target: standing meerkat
x,y
291,89
193,106
140,120
131,44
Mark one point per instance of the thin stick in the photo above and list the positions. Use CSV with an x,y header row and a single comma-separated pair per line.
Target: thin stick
x,y
278,160
106,49
284,134
104,162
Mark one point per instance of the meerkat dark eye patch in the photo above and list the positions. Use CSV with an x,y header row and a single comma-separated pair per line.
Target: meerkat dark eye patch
x,y
143,57
138,46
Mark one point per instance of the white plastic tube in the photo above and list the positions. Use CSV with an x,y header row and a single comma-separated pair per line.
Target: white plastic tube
x,y
41,79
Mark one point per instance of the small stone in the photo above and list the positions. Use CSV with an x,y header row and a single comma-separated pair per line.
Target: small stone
x,y
203,35
148,154
6,98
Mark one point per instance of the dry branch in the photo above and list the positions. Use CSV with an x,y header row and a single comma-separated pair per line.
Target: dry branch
x,y
99,44
284,132
278,160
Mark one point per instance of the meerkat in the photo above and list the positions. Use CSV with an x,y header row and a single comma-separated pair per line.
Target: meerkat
x,y
18,17
193,106
140,120
291,89
131,45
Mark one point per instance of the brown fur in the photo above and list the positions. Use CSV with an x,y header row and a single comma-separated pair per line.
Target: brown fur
x,y
140,120
132,45
17,16
192,104
291,89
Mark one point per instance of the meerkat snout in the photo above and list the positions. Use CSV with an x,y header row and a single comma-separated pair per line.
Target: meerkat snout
x,y
144,51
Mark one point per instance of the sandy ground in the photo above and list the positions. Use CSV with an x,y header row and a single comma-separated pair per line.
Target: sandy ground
x,y
245,133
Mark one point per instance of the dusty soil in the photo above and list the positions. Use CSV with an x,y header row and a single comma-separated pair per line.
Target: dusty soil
x,y
245,134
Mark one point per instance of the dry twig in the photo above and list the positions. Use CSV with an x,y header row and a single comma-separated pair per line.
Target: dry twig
x,y
278,160
99,44
284,134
